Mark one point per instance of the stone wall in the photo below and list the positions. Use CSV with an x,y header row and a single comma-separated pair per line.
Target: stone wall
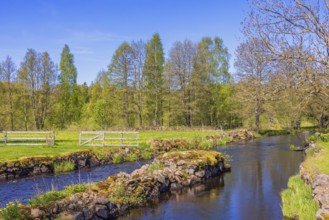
x,y
45,165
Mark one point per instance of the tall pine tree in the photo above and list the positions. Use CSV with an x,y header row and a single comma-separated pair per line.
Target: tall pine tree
x,y
68,111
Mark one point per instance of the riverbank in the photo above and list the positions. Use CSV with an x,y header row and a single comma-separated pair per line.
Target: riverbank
x,y
30,166
308,193
113,197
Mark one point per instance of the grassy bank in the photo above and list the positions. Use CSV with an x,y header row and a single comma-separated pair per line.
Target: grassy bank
x,y
67,142
297,200
318,159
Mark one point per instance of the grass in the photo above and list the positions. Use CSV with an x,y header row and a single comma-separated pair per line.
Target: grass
x,y
317,163
156,166
11,211
67,142
297,200
57,195
117,158
131,157
63,166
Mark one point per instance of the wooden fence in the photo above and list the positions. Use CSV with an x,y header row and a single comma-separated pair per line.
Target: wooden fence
x,y
109,138
26,138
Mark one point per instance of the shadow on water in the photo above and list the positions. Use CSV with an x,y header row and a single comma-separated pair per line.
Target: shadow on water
x,y
260,171
25,189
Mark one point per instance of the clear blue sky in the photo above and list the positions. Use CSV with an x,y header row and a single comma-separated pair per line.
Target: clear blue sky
x,y
93,29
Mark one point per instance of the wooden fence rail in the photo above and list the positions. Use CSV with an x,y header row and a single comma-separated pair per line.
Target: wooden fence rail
x,y
28,138
109,138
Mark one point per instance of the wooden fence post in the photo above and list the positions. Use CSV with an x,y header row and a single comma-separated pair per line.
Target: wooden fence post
x,y
5,137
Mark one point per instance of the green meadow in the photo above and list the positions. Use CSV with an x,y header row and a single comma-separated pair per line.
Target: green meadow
x,y
68,142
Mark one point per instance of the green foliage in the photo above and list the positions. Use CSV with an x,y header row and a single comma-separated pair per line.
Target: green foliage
x,y
131,157
297,200
11,212
63,166
146,155
120,195
156,166
117,158
294,148
154,80
69,104
57,195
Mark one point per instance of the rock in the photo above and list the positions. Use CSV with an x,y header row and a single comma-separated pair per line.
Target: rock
x,y
44,168
88,212
78,216
190,171
101,199
179,173
71,206
55,209
181,163
82,162
200,173
37,213
176,186
102,211
322,214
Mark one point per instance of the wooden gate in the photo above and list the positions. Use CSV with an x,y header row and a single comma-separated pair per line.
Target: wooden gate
x,y
109,138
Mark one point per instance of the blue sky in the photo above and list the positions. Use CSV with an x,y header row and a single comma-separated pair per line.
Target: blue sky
x,y
93,29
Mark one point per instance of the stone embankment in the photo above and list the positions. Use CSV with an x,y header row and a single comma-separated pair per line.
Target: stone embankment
x,y
46,165
166,145
115,196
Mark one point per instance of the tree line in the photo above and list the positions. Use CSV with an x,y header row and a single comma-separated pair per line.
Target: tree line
x,y
139,89
280,81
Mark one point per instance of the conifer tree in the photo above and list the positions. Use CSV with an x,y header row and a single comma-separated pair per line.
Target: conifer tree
x,y
154,80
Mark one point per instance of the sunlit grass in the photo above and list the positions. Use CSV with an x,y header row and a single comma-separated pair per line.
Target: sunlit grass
x,y
297,200
318,163
67,142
